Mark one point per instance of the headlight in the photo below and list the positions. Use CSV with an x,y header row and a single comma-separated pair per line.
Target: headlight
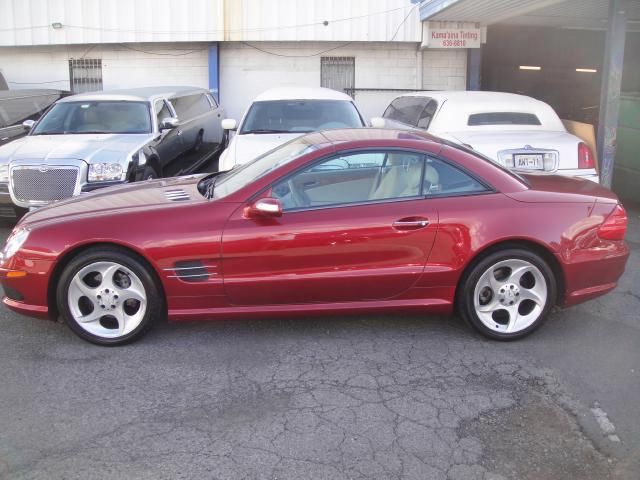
x,y
4,173
101,172
14,242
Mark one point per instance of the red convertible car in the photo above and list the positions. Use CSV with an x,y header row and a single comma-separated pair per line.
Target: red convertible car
x,y
343,221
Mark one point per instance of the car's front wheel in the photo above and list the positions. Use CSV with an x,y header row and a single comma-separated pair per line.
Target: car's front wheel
x,y
508,294
109,297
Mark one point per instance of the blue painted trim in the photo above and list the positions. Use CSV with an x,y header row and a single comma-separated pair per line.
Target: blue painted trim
x,y
214,70
429,8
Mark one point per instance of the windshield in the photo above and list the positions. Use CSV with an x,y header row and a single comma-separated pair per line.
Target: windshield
x,y
241,176
95,117
16,108
300,116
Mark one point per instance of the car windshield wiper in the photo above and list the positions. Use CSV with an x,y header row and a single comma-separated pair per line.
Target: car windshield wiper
x,y
266,130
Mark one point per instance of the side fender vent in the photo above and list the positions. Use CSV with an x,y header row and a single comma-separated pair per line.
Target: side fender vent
x,y
190,271
176,195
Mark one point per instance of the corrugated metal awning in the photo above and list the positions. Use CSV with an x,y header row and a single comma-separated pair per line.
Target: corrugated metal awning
x,y
585,14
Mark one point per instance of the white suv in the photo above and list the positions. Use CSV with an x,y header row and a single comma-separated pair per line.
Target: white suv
x,y
282,114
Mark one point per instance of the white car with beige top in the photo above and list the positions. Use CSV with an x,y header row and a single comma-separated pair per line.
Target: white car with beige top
x,y
517,131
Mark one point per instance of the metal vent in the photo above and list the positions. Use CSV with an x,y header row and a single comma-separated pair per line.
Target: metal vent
x,y
176,195
38,185
190,271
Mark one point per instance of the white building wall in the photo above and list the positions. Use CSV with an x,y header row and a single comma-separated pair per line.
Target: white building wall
x,y
122,67
444,69
30,22
245,71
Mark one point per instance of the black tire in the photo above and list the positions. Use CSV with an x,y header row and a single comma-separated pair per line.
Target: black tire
x,y
149,173
155,304
465,297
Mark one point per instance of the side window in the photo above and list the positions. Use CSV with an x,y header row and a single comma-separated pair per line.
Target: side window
x,y
354,178
442,178
162,110
190,106
427,115
406,110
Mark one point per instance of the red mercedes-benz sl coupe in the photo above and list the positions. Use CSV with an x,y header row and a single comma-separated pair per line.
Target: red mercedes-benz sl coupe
x,y
342,221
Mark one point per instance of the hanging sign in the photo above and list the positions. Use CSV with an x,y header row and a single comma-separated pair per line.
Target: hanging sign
x,y
452,35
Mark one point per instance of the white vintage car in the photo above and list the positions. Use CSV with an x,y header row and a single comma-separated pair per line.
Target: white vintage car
x,y
519,132
282,114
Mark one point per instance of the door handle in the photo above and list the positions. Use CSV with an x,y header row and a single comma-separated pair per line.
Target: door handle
x,y
179,132
410,223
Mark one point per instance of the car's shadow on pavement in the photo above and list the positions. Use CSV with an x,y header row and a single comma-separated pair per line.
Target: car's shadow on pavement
x,y
310,327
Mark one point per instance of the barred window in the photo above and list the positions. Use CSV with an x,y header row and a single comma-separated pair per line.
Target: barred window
x,y
85,74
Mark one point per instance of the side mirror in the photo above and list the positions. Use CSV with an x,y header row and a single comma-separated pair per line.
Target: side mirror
x,y
264,208
168,123
377,122
229,124
28,124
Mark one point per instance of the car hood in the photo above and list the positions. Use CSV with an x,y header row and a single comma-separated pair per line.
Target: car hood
x,y
248,147
140,196
91,148
490,142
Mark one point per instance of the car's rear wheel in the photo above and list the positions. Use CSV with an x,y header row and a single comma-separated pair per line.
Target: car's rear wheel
x,y
507,294
108,297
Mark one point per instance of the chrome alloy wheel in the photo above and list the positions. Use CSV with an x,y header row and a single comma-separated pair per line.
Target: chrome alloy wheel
x,y
510,296
107,299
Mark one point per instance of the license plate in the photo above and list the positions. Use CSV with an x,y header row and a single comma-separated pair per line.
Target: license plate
x,y
528,162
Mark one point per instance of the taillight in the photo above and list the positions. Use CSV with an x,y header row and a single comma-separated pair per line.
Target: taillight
x,y
615,225
585,156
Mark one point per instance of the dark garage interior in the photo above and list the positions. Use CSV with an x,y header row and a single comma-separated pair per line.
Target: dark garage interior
x,y
575,95
563,67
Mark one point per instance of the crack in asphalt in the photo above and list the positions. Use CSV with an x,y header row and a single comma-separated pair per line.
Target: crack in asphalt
x,y
381,398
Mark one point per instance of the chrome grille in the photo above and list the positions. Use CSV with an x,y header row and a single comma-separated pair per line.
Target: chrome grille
x,y
32,185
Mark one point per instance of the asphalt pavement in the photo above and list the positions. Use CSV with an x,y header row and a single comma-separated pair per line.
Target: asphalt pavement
x,y
370,397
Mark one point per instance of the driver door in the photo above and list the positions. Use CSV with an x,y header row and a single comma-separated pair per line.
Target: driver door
x,y
170,145
354,228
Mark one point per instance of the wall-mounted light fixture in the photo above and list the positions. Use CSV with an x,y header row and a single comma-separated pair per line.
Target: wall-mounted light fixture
x,y
587,70
529,67
56,25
